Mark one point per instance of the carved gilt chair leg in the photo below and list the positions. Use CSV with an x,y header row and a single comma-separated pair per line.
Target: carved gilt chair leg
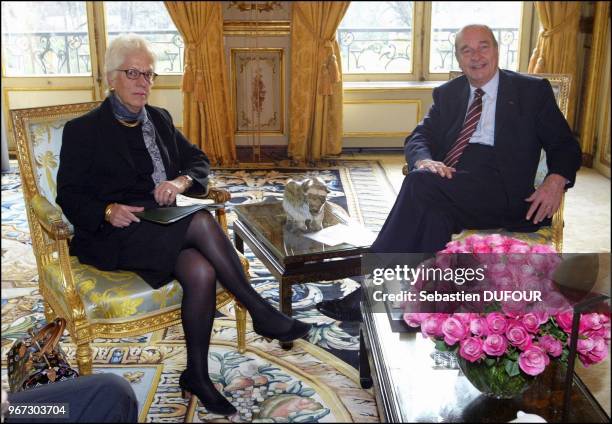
x,y
49,312
240,326
84,358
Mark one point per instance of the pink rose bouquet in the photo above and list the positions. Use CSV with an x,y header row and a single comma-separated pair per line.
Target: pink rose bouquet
x,y
522,337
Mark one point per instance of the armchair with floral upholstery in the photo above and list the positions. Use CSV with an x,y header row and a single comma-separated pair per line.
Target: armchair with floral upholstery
x,y
95,303
552,234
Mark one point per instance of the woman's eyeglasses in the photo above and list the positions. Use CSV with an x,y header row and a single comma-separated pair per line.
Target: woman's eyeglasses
x,y
134,74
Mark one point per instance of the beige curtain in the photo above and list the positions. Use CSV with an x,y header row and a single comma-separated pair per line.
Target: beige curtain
x,y
206,102
557,45
316,80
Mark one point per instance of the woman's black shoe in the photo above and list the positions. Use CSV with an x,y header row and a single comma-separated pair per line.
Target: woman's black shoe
x,y
209,396
298,329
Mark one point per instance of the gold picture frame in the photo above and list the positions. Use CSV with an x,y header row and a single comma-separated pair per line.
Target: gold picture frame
x,y
258,94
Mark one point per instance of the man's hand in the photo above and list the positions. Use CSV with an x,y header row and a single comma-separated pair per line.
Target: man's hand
x,y
121,215
435,166
165,193
545,201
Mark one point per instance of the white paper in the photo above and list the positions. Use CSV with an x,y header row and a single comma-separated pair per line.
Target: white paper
x,y
188,201
341,233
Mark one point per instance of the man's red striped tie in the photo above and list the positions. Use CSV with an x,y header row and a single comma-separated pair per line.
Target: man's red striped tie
x,y
469,126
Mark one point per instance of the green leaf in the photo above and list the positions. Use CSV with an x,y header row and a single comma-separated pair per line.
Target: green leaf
x,y
441,345
512,368
490,362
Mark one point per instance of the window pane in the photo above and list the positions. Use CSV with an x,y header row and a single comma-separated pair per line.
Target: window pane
x,y
45,38
504,18
376,37
151,20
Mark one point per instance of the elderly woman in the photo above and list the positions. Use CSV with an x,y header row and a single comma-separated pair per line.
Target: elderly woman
x,y
126,156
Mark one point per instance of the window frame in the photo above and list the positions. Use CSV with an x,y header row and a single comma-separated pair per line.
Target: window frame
x,y
421,24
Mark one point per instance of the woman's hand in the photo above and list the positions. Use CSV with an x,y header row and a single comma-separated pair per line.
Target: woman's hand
x,y
165,193
122,216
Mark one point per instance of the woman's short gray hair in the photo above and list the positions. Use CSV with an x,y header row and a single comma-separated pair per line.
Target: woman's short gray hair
x,y
122,47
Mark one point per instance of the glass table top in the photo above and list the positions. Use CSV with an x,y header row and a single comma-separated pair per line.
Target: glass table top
x,y
267,221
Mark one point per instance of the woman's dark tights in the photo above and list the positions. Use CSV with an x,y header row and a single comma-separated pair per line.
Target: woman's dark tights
x,y
208,255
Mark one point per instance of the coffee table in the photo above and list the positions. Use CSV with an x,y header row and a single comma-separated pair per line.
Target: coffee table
x,y
409,388
291,257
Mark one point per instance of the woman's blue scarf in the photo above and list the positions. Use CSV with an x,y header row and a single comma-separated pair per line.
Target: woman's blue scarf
x,y
122,112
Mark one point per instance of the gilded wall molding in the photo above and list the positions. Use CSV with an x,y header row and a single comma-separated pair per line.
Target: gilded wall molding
x,y
260,28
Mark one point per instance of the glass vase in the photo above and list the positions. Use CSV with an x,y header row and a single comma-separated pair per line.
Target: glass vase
x,y
494,381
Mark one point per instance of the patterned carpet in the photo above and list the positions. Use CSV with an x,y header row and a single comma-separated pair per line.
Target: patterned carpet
x,y
316,381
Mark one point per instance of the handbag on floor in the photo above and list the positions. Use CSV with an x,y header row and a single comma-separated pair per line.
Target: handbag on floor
x,y
37,360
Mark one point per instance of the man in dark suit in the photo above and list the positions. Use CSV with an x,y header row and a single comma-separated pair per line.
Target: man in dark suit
x,y
473,159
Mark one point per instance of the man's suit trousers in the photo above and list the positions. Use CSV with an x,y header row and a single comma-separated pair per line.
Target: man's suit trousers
x,y
430,208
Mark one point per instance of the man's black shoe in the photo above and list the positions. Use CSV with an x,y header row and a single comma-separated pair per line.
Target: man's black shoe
x,y
345,309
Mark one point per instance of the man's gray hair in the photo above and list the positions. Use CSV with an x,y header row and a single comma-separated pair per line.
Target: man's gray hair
x,y
471,26
122,47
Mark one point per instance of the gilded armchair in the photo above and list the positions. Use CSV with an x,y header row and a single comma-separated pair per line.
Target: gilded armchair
x,y
95,304
552,234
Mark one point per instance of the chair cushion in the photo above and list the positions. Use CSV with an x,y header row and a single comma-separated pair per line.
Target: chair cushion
x,y
117,294
542,236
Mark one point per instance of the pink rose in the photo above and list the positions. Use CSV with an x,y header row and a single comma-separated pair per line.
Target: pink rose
x,y
599,352
531,322
495,240
517,335
454,330
533,360
551,345
432,326
444,260
497,323
514,309
564,321
590,322
584,346
556,303
471,349
474,239
465,318
540,313
495,345
414,319
479,327
592,350
522,271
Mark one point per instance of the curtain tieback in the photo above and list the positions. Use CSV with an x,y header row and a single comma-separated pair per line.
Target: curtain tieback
x,y
193,77
567,22
330,72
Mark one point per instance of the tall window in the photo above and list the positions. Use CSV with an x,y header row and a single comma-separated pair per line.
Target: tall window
x,y
151,20
45,38
376,37
417,39
448,17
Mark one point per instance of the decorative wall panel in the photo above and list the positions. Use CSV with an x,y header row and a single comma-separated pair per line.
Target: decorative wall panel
x,y
258,90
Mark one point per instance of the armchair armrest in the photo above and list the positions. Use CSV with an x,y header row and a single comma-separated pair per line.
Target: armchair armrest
x,y
50,217
218,195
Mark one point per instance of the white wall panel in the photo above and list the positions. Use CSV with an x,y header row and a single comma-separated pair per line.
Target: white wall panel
x,y
380,118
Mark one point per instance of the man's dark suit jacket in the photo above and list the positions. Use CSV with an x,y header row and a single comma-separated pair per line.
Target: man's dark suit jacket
x,y
96,169
527,119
